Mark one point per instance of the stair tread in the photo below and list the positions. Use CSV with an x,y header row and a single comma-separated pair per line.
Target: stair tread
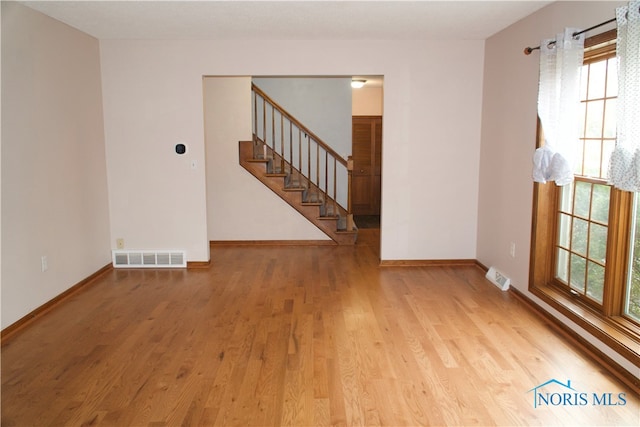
x,y
312,203
354,231
294,188
257,160
275,175
326,218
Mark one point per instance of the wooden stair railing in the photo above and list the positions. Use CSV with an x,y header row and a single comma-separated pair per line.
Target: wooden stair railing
x,y
296,150
298,192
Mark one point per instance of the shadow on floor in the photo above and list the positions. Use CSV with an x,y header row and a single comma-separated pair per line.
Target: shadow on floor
x,y
367,221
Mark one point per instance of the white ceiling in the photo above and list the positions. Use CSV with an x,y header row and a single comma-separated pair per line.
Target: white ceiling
x,y
297,20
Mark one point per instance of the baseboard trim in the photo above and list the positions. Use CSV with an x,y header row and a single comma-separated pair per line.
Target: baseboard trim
x,y
213,243
580,343
427,262
11,330
482,266
196,265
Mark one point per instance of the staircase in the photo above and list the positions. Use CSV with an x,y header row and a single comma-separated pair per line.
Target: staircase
x,y
299,167
298,191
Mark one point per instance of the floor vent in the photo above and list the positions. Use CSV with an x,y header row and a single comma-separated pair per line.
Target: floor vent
x,y
149,259
498,279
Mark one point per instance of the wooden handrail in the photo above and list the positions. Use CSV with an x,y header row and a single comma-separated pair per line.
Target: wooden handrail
x,y
312,139
306,130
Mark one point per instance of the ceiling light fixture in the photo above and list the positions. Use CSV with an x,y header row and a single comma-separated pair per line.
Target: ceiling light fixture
x,y
357,84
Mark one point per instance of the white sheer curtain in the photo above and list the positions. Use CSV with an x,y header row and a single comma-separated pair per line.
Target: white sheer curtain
x,y
624,167
558,107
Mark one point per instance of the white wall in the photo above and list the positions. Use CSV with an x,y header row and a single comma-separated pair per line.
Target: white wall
x,y
1,323
153,97
54,188
431,152
152,101
230,188
509,139
367,101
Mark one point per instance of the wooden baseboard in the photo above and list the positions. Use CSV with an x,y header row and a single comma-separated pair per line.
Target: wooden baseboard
x,y
11,330
195,265
582,344
427,262
482,266
272,243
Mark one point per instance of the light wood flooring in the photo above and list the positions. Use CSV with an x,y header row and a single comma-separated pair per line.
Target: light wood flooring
x,y
299,336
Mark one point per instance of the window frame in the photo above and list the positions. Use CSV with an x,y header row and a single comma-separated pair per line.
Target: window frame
x,y
607,322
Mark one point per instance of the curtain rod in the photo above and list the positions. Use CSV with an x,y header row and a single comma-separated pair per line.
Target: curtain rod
x,y
528,50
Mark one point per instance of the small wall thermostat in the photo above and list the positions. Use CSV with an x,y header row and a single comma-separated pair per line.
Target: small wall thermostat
x,y
181,148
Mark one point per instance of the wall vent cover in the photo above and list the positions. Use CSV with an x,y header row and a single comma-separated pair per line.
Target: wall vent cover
x,y
498,279
148,259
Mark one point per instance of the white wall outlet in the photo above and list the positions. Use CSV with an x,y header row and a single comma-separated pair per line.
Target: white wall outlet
x,y
512,250
44,263
120,243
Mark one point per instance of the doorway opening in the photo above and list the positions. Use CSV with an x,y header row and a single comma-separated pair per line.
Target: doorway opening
x,y
366,151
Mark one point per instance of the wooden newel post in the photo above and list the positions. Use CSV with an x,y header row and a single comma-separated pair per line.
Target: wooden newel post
x,y
350,222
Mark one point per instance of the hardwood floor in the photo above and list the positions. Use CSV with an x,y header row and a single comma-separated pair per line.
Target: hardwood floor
x,y
285,335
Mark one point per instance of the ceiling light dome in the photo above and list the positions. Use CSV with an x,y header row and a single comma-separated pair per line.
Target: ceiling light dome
x,y
357,84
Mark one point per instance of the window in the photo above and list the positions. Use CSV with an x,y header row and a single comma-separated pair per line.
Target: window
x,y
632,296
585,255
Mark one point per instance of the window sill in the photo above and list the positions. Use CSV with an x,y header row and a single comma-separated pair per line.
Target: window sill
x,y
616,332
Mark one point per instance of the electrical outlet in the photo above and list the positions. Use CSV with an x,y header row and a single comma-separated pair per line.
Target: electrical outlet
x,y
44,263
512,250
120,243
